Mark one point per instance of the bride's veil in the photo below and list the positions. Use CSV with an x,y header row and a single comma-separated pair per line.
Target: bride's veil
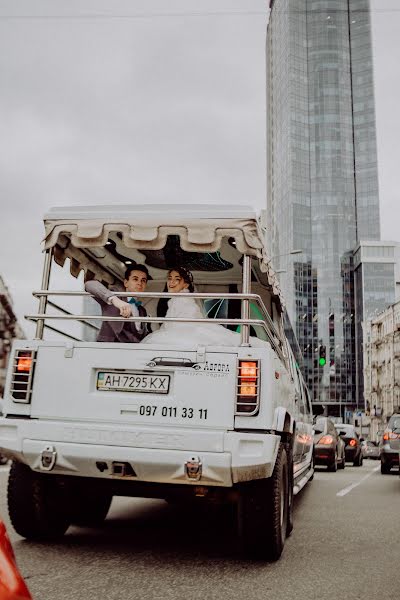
x,y
199,302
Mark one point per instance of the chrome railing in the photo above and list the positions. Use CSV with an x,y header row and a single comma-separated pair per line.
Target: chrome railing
x,y
265,323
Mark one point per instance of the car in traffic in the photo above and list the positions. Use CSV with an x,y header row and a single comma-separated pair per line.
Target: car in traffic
x,y
389,446
370,449
352,442
329,448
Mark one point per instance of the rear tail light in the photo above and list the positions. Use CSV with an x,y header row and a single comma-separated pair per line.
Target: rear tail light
x,y
22,375
248,387
24,362
353,443
326,440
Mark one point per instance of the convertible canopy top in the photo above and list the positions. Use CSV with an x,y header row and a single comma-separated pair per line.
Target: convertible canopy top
x,y
201,228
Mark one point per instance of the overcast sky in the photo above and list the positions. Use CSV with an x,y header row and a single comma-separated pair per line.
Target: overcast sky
x,y
125,101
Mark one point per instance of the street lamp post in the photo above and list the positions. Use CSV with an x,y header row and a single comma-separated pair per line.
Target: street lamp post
x,y
300,251
292,252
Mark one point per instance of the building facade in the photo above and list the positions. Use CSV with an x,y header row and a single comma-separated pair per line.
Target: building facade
x,y
382,367
374,290
322,178
9,330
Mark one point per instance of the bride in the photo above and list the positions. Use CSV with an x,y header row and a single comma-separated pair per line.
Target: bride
x,y
189,335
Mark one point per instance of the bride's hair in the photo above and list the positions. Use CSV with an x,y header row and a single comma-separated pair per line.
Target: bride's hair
x,y
186,276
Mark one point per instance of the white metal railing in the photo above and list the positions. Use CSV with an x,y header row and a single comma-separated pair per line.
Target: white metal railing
x,y
265,323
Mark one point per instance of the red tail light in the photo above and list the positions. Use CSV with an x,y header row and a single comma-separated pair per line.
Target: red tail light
x,y
24,362
22,375
248,387
248,379
326,440
353,443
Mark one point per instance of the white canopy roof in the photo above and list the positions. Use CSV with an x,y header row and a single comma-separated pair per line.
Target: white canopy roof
x,y
200,228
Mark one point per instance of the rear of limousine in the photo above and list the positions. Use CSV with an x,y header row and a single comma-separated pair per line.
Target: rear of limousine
x,y
156,415
87,422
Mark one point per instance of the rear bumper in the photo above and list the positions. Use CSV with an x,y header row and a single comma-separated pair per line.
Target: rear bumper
x,y
373,456
352,453
155,455
389,455
323,455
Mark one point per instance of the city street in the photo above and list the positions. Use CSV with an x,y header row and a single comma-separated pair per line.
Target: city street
x,y
345,544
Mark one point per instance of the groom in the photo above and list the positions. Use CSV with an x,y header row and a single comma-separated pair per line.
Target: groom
x,y
136,277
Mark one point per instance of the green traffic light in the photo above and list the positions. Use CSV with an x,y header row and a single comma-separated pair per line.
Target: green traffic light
x,y
322,362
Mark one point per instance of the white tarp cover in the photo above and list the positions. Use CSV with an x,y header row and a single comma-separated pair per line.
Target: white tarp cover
x,y
200,229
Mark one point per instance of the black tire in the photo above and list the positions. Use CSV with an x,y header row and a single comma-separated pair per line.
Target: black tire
x,y
89,507
36,504
359,461
342,463
3,459
332,467
312,466
385,468
289,456
263,512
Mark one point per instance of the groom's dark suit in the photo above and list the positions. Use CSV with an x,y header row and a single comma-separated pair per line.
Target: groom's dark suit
x,y
115,331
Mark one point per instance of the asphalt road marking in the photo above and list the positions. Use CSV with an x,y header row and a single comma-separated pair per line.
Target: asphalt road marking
x,y
351,487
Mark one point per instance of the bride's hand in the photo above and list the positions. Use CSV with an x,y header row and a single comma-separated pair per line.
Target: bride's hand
x,y
125,309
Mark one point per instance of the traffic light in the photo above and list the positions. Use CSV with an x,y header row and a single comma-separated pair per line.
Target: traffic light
x,y
322,356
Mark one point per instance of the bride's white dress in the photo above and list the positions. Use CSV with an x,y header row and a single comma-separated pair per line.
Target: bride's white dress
x,y
190,335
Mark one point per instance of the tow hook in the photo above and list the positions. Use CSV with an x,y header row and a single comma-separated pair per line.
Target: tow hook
x,y
48,458
123,469
193,468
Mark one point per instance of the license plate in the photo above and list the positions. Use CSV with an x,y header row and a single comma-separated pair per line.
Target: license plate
x,y
133,382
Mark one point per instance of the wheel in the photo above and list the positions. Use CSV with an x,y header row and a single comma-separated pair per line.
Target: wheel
x,y
3,459
89,505
359,461
312,467
385,468
263,512
342,463
332,467
36,503
289,456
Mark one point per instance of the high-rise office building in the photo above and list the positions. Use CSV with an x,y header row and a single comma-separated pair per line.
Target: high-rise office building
x,y
322,178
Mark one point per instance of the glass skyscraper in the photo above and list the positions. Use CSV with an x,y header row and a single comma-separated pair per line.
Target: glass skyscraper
x,y
322,177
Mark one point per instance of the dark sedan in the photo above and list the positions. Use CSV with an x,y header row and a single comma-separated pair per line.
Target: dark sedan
x,y
353,450
329,448
389,446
